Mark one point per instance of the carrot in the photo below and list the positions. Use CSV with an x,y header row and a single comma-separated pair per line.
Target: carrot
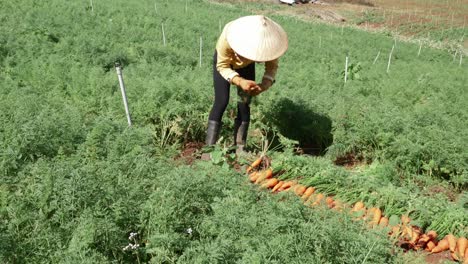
x,y
395,230
432,234
270,183
455,256
277,186
308,192
452,242
465,255
357,206
441,246
338,205
405,219
423,239
254,164
318,199
267,174
287,185
415,234
462,243
253,176
329,201
430,246
383,222
299,190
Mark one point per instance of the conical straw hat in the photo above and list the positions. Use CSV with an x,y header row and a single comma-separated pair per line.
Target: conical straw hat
x,y
257,38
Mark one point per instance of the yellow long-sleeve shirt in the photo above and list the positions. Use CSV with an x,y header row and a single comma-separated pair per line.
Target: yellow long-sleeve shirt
x,y
229,60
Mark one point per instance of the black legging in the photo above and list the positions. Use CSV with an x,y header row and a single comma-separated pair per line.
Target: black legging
x,y
222,87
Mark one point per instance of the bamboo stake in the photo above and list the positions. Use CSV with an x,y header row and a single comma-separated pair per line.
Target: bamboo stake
x,y
461,58
376,57
164,34
92,6
420,46
155,8
342,27
390,58
186,6
201,50
455,55
346,69
118,68
320,41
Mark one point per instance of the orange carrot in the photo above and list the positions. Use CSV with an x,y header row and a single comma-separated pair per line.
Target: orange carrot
x,y
299,189
432,234
270,183
415,234
405,219
423,239
430,246
308,192
338,205
357,206
277,186
383,222
452,242
329,201
318,199
441,246
286,186
253,176
254,164
465,255
462,243
267,174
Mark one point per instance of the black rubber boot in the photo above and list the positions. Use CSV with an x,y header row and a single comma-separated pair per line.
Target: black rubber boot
x,y
212,134
240,135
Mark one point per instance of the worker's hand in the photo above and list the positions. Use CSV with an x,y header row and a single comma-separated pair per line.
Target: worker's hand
x,y
247,86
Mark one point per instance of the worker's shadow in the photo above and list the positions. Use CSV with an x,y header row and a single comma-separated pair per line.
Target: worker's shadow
x,y
296,121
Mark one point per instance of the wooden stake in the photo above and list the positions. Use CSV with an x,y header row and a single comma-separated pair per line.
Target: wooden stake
x,y
92,6
390,58
320,41
186,6
155,8
118,68
461,58
455,55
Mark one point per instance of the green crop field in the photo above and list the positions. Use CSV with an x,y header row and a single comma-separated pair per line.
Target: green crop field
x,y
75,180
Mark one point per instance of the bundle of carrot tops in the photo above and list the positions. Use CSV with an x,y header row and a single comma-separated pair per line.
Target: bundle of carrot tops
x,y
409,236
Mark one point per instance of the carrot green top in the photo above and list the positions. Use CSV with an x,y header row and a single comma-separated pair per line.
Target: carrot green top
x,y
229,60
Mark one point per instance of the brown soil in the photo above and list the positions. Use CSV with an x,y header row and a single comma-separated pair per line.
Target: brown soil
x,y
190,152
349,161
405,18
439,258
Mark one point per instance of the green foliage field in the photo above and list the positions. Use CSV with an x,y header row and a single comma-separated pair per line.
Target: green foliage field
x,y
75,181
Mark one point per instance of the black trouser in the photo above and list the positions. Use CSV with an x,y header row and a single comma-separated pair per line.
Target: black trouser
x,y
222,88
